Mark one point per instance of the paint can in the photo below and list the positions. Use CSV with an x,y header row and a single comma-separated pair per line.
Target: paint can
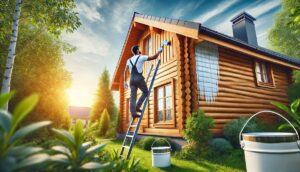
x,y
271,151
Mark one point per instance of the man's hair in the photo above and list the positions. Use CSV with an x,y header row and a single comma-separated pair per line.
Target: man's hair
x,y
135,49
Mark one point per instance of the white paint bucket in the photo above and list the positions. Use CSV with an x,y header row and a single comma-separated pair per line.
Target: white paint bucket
x,y
271,151
161,156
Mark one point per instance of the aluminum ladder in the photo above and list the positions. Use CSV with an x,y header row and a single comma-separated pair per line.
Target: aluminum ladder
x,y
131,136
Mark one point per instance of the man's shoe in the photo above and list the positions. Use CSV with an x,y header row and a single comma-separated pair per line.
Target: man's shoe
x,y
136,116
139,110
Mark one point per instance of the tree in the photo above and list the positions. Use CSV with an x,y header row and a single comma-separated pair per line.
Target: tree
x,y
52,15
104,98
283,36
104,122
11,53
39,69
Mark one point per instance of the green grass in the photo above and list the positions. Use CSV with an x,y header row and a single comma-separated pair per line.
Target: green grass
x,y
226,163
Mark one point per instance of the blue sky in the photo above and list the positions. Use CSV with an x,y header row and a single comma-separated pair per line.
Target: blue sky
x,y
105,23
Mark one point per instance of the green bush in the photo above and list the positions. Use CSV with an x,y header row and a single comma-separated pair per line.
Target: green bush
x,y
104,122
293,91
197,128
146,142
74,154
221,145
14,154
233,128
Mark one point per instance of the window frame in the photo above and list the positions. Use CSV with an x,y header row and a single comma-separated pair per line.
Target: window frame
x,y
146,40
164,123
268,72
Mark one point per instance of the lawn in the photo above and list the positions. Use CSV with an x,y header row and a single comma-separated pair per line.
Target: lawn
x,y
230,163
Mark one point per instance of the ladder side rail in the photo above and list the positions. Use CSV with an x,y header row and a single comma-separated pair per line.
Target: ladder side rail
x,y
144,108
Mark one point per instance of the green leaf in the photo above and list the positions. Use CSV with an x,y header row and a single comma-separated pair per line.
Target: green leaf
x,y
78,132
65,137
94,166
62,149
22,110
295,105
5,120
33,160
60,158
4,98
21,152
21,133
94,149
282,107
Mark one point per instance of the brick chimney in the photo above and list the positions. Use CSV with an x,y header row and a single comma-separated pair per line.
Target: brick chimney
x,y
244,29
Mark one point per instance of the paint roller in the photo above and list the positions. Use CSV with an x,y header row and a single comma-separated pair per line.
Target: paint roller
x,y
164,43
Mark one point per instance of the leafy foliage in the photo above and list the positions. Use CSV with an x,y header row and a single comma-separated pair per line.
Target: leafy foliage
x,y
294,19
74,154
13,154
122,165
221,145
197,128
293,111
281,36
293,91
284,37
146,142
104,98
104,123
233,128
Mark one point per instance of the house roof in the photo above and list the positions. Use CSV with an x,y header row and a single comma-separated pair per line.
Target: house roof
x,y
193,30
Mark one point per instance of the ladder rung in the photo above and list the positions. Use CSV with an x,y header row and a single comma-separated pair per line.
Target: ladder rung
x,y
127,147
129,136
133,126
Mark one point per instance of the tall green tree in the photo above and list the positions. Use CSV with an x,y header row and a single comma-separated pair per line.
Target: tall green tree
x,y
283,36
52,15
40,69
104,98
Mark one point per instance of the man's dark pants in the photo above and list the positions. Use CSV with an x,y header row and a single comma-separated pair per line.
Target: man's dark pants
x,y
137,82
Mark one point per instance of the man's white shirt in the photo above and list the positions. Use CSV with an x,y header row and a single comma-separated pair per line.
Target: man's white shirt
x,y
139,64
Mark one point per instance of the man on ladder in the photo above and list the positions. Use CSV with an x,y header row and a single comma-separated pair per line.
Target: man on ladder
x,y
137,81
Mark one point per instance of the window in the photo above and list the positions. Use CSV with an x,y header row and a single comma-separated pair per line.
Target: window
x,y
263,74
164,103
148,45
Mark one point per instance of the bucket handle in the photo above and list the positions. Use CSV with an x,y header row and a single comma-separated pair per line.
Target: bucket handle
x,y
265,111
163,140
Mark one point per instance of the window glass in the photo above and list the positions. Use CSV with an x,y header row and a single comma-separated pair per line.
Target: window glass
x,y
160,116
169,114
148,45
168,90
160,92
164,103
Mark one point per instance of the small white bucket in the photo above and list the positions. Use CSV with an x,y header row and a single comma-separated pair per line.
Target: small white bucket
x,y
271,151
161,156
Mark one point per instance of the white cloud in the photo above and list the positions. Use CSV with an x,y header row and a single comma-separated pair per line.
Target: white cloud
x,y
254,9
263,8
89,10
183,8
88,42
121,14
221,7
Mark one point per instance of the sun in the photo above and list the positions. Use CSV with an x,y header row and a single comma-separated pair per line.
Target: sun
x,y
78,97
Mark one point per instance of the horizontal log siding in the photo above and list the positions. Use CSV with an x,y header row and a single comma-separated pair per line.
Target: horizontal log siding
x,y
167,71
238,93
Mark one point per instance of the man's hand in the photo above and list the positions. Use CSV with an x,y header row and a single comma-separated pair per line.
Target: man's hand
x,y
125,85
160,50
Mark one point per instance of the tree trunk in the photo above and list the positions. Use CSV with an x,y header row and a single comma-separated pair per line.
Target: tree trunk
x,y
11,52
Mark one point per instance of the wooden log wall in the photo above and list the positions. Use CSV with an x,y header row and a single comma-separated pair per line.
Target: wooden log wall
x,y
167,72
238,93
